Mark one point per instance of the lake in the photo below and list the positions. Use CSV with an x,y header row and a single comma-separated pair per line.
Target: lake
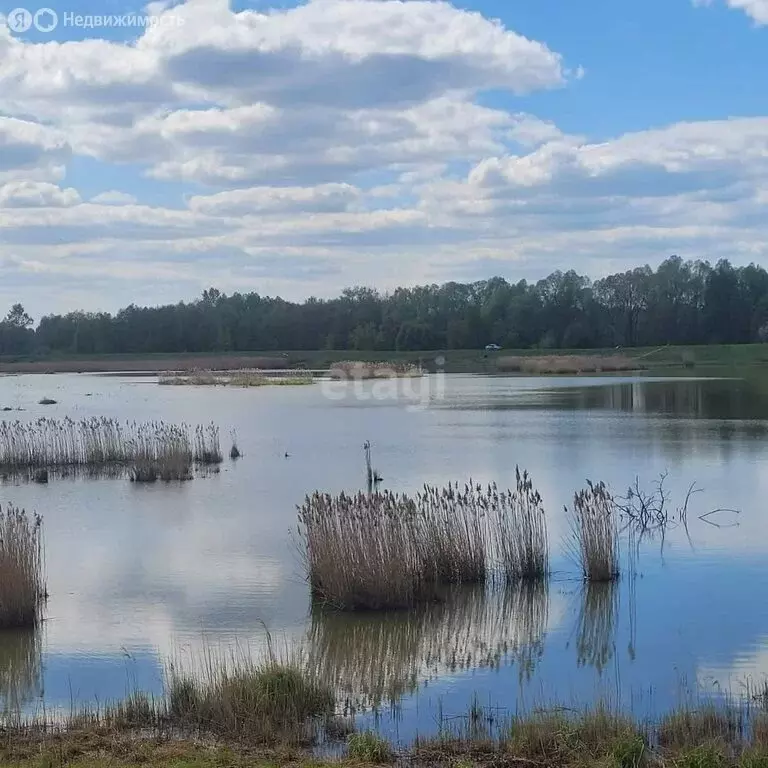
x,y
138,574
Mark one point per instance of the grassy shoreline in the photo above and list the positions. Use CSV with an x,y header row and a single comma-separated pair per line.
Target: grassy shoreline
x,y
704,737
280,709
455,361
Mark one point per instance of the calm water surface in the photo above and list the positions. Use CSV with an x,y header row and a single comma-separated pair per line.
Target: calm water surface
x,y
137,574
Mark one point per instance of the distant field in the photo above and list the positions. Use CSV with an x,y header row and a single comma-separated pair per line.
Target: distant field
x,y
452,361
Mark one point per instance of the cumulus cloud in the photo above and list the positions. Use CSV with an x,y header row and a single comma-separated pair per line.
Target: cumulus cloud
x,y
755,9
298,150
683,157
348,53
30,194
88,222
114,197
30,151
321,199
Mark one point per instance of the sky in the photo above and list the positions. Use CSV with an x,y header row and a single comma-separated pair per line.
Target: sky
x,y
297,148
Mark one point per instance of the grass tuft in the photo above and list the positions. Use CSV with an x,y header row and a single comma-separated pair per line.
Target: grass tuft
x,y
704,756
367,747
561,736
692,728
268,700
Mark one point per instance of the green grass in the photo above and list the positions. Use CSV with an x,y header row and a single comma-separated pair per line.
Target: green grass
x,y
369,748
690,728
264,701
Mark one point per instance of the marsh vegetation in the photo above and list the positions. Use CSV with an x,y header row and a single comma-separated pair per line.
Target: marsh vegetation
x,y
387,550
147,451
241,378
278,697
382,550
136,731
594,533
360,370
541,365
22,577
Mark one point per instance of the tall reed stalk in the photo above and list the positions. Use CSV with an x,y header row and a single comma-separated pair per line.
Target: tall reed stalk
x,y
594,533
22,579
521,523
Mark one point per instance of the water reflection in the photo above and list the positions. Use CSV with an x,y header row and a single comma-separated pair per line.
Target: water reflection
x,y
372,658
20,668
681,398
597,623
161,565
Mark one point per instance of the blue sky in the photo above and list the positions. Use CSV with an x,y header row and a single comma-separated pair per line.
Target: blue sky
x,y
295,149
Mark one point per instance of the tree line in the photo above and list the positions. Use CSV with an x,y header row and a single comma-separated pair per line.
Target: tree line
x,y
681,302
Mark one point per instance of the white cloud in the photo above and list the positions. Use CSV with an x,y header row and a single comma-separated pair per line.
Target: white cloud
x,y
339,142
114,197
30,151
322,199
348,53
755,9
31,194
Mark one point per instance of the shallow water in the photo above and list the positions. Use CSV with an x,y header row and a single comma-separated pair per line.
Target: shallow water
x,y
137,574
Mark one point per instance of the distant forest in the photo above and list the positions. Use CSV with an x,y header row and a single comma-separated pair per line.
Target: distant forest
x,y
682,302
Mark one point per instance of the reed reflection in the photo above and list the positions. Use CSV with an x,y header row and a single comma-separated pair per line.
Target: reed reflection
x,y
20,668
597,623
376,658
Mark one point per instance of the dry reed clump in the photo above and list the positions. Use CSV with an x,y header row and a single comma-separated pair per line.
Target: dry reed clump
x,y
236,696
243,379
594,533
22,580
566,364
172,464
207,449
154,447
234,451
454,533
357,370
363,551
384,550
171,459
521,535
